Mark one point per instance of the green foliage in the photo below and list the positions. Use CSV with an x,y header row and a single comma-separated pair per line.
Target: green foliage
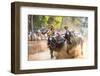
x,y
36,21
57,21
45,21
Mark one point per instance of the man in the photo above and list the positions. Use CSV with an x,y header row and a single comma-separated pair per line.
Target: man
x,y
67,35
51,34
51,39
51,31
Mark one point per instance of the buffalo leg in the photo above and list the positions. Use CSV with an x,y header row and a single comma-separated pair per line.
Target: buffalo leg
x,y
51,52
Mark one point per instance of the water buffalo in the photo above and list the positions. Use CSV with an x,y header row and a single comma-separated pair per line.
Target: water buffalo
x,y
60,47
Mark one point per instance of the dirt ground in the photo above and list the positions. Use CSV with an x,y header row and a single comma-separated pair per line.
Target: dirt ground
x,y
38,50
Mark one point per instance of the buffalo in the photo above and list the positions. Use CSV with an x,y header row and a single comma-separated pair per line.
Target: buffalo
x,y
63,46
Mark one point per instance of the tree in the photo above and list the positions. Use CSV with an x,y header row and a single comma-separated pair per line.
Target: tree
x,y
45,21
55,21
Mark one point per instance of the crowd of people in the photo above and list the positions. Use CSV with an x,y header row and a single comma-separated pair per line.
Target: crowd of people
x,y
42,34
38,35
50,32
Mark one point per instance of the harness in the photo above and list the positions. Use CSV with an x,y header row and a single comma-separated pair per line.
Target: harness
x,y
56,42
